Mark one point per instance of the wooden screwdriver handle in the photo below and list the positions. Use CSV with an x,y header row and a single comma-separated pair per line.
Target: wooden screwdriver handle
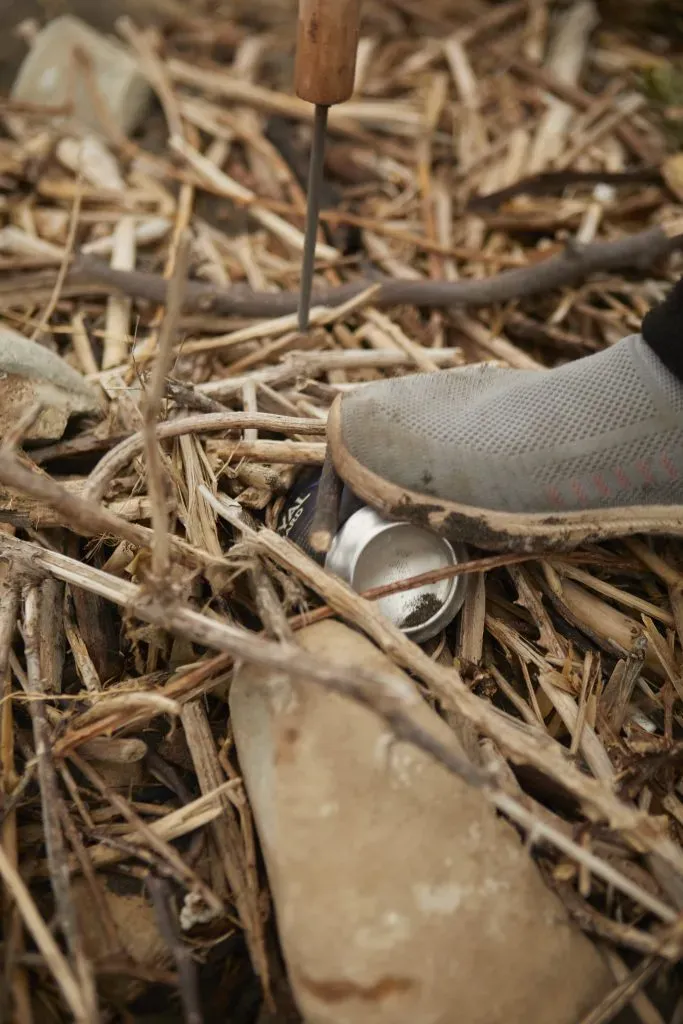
x,y
327,41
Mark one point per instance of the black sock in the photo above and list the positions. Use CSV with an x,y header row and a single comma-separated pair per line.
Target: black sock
x,y
662,329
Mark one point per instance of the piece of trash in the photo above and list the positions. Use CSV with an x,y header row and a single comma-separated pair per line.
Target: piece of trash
x,y
31,374
370,551
70,64
400,895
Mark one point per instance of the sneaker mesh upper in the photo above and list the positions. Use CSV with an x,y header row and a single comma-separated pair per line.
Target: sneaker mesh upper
x,y
603,430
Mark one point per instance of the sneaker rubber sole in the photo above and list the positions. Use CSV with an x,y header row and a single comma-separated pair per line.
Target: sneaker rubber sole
x,y
489,529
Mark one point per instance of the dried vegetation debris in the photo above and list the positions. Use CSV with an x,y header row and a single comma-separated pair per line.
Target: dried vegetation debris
x,y
131,554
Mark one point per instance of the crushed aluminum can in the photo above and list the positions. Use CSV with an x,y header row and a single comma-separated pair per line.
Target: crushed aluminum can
x,y
370,551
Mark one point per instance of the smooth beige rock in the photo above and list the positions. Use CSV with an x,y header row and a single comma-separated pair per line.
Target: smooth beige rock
x,y
30,373
50,75
401,897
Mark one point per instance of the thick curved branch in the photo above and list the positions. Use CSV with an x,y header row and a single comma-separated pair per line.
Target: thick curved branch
x,y
571,267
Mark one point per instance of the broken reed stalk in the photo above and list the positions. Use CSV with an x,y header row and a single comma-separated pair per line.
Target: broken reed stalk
x,y
50,800
621,684
17,983
9,607
151,408
242,882
622,994
63,269
177,823
167,854
118,458
390,698
58,964
272,614
88,518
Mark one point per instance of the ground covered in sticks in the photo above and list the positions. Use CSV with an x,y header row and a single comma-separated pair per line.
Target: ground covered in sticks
x,y
505,185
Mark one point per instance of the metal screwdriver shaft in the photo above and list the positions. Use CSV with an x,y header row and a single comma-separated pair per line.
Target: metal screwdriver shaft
x,y
327,41
315,177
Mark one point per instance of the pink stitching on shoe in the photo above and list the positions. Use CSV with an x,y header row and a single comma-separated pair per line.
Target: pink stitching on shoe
x,y
621,477
555,497
669,466
644,471
578,491
601,486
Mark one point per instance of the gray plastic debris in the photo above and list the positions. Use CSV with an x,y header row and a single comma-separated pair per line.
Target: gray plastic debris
x,y
30,374
53,75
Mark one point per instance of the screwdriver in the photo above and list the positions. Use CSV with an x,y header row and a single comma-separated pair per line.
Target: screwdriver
x,y
327,41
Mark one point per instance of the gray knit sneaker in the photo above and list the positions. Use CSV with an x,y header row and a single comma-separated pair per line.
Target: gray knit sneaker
x,y
522,459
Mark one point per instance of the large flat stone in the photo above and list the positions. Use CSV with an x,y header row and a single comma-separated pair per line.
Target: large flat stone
x,y
401,896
